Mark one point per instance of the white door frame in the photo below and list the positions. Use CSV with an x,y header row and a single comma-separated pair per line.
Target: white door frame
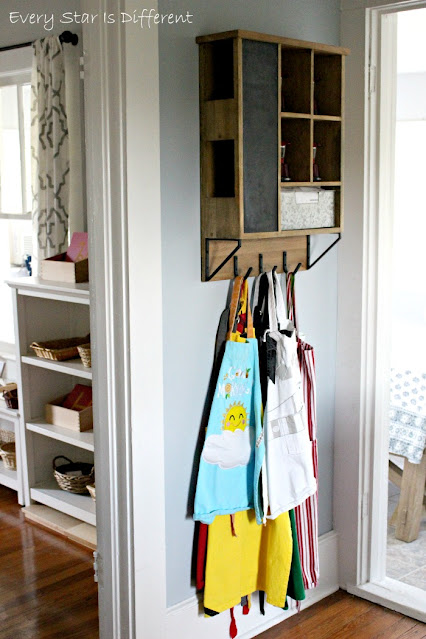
x,y
124,220
372,27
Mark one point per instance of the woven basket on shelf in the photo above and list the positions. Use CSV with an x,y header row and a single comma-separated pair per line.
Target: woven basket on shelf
x,y
59,349
8,455
72,484
6,436
92,490
86,354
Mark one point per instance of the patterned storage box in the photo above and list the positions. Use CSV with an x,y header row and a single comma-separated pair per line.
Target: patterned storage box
x,y
308,208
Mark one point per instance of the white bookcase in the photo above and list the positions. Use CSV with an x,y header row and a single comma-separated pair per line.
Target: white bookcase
x,y
45,311
9,420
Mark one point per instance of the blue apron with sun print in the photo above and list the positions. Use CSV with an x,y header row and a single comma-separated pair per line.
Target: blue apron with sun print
x,y
233,451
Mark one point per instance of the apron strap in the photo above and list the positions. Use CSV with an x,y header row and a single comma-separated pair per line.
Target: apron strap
x,y
236,292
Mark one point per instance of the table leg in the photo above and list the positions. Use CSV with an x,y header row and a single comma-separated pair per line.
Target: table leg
x,y
410,505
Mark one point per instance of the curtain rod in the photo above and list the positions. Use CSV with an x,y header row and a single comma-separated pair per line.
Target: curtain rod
x,y
66,37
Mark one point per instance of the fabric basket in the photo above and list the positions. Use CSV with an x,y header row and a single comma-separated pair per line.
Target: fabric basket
x,y
71,483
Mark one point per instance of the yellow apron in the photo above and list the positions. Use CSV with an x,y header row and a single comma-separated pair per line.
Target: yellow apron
x,y
257,558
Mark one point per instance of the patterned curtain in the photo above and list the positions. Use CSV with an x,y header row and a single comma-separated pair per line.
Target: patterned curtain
x,y
49,150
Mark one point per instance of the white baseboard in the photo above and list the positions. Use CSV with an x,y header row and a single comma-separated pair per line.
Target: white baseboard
x,y
186,620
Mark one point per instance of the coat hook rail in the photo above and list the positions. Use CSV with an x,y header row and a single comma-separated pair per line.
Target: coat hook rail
x,y
207,275
308,251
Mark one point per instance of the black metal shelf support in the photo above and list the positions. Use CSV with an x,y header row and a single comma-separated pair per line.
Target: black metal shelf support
x,y
207,275
308,251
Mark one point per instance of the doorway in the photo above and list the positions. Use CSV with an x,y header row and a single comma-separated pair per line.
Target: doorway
x,y
406,533
362,416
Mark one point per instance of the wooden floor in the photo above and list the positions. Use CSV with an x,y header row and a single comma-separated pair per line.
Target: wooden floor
x,y
47,592
46,583
343,616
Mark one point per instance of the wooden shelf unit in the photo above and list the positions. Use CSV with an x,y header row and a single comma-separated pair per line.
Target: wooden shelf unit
x,y
257,91
50,310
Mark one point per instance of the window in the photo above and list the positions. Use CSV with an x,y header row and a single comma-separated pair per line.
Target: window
x,y
15,177
15,149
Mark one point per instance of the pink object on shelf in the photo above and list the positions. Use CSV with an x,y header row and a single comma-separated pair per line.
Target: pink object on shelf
x,y
79,248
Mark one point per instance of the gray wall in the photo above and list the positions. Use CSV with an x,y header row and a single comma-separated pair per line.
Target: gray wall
x,y
192,308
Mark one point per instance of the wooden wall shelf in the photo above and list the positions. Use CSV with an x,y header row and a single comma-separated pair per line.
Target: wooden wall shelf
x,y
258,91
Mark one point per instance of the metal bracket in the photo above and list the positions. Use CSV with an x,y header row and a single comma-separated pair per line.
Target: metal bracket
x,y
308,251
207,275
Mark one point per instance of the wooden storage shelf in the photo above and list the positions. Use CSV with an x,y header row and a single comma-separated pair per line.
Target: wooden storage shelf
x,y
291,114
258,91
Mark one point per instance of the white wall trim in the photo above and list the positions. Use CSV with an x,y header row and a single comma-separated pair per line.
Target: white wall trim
x,y
142,125
186,619
107,225
403,598
363,366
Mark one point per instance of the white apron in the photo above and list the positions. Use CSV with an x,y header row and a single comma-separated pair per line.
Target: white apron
x,y
288,461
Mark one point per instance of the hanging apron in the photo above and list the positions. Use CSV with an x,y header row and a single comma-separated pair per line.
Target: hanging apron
x,y
306,514
255,558
233,450
288,459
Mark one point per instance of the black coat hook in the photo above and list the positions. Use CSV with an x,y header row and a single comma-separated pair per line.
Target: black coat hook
x,y
274,269
235,266
297,268
260,263
285,262
248,273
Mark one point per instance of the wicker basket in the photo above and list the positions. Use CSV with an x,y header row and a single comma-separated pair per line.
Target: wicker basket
x,y
92,490
6,436
86,355
8,455
59,349
77,485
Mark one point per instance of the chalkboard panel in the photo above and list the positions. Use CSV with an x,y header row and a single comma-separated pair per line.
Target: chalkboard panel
x,y
260,136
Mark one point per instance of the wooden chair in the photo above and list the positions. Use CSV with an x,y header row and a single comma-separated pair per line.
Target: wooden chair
x,y
411,480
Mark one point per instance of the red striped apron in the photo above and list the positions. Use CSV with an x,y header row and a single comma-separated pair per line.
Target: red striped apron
x,y
307,513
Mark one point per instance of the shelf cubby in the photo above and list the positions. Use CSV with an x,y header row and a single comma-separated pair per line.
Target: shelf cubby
x,y
327,84
327,135
218,66
297,133
296,80
221,166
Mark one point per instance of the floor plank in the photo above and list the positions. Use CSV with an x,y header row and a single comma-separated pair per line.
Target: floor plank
x,y
343,616
46,582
